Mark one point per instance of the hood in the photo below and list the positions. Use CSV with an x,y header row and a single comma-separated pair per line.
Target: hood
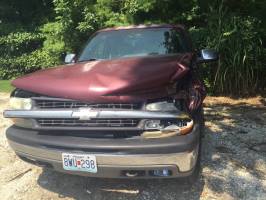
x,y
119,80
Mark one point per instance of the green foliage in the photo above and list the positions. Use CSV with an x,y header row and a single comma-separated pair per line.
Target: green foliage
x,y
36,34
241,68
24,52
54,40
12,67
5,86
19,42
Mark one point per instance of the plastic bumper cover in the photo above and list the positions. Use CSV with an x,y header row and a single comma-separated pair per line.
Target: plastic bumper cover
x,y
114,156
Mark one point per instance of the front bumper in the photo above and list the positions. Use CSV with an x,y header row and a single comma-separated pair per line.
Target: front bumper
x,y
116,158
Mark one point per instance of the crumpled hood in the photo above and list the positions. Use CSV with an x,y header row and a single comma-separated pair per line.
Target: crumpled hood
x,y
119,80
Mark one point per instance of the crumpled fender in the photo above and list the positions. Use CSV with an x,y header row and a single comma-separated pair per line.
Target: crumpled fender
x,y
193,94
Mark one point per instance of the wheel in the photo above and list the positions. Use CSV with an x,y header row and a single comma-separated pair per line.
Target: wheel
x,y
198,117
191,179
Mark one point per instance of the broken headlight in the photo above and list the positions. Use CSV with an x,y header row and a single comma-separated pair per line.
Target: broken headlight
x,y
167,128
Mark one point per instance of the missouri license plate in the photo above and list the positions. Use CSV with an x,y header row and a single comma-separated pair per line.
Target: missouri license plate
x,y
79,162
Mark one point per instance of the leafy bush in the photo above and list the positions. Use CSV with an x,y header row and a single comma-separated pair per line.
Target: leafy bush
x,y
240,69
17,43
12,67
24,52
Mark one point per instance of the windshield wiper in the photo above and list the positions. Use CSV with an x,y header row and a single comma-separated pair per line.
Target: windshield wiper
x,y
90,59
153,53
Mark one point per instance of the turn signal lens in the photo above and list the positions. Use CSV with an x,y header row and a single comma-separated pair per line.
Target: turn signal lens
x,y
25,123
186,129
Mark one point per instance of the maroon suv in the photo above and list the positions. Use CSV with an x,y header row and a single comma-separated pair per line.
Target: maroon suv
x,y
128,106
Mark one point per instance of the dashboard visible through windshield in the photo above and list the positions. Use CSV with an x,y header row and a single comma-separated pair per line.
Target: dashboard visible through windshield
x,y
132,43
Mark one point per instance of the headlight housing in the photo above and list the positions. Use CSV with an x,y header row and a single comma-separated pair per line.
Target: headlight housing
x,y
17,103
161,128
164,128
163,106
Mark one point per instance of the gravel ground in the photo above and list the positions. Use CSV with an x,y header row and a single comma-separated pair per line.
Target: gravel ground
x,y
233,163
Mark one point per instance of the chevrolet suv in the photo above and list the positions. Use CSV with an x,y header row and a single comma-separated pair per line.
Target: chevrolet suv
x,y
128,106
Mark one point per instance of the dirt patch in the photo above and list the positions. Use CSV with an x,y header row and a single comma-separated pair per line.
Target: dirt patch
x,y
233,163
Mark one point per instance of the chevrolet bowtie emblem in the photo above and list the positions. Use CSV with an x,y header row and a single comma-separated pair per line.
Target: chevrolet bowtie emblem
x,y
85,113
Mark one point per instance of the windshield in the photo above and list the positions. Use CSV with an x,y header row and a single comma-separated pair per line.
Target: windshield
x,y
134,42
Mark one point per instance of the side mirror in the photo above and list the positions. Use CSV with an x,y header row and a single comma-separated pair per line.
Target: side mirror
x,y
70,58
207,55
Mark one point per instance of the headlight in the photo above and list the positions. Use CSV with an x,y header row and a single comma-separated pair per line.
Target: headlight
x,y
20,103
161,106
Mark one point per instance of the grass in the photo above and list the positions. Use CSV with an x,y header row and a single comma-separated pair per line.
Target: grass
x,y
5,86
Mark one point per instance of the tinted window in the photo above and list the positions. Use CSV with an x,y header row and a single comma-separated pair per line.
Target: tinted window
x,y
134,42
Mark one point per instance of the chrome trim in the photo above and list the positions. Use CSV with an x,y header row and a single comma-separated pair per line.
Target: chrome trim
x,y
184,161
38,114
111,114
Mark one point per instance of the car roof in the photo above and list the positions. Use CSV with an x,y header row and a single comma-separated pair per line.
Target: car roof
x,y
142,26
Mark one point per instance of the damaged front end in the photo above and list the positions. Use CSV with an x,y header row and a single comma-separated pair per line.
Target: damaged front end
x,y
132,113
152,120
111,95
141,139
180,124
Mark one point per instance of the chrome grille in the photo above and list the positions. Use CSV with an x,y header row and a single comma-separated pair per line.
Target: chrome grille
x,y
88,123
55,104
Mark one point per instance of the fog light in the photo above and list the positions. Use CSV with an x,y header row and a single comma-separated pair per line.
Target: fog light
x,y
152,124
161,172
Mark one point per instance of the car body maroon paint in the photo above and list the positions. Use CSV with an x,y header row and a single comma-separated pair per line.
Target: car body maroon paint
x,y
113,107
118,80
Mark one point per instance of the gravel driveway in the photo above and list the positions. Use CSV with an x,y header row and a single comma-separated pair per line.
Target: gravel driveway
x,y
233,163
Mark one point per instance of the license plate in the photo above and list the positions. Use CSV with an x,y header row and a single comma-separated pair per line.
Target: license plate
x,y
79,162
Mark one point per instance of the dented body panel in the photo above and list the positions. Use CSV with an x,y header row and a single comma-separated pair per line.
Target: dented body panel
x,y
119,80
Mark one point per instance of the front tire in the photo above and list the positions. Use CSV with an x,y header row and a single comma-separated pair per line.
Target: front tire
x,y
198,117
193,178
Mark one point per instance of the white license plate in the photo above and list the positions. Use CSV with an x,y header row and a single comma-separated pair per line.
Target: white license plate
x,y
79,162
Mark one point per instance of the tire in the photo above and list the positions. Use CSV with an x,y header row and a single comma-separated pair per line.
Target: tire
x,y
193,178
198,117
